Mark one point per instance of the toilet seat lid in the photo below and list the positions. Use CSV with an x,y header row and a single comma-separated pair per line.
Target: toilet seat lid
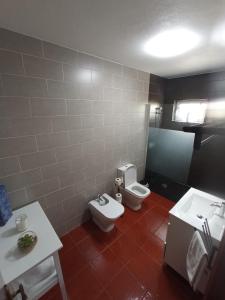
x,y
111,210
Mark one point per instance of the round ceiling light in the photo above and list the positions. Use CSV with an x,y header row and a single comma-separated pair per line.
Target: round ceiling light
x,y
172,43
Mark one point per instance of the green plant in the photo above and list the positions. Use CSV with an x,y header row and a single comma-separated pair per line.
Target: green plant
x,y
26,241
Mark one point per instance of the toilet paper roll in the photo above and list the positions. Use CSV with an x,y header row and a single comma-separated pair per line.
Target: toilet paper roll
x,y
119,197
118,181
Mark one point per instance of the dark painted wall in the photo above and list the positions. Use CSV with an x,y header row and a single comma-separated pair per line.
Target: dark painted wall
x,y
156,99
209,86
207,171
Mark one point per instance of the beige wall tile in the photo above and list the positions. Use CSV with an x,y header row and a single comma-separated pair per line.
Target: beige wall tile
x,y
10,63
66,123
56,198
68,153
114,68
76,74
56,89
18,198
57,169
86,115
79,107
100,107
14,146
20,180
71,178
92,121
48,107
52,140
93,147
58,53
81,136
40,67
22,127
14,41
38,159
23,86
75,205
43,188
9,166
112,94
143,76
11,107
130,73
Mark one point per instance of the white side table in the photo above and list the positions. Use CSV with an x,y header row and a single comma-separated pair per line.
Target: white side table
x,y
13,263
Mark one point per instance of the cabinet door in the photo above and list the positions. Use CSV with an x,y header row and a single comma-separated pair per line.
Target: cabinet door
x,y
178,238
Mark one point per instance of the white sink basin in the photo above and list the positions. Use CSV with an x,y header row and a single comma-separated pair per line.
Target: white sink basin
x,y
195,206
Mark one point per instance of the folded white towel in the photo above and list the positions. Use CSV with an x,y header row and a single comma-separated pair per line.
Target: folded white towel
x,y
196,260
35,277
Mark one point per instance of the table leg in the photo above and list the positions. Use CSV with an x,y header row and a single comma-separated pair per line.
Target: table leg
x,y
60,276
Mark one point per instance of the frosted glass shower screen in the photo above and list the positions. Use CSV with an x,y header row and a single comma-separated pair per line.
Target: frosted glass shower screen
x,y
170,153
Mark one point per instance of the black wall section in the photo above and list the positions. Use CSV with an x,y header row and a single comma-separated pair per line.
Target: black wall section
x,y
207,171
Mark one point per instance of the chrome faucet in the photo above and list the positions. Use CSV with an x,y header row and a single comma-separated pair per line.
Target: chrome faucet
x,y
101,200
221,205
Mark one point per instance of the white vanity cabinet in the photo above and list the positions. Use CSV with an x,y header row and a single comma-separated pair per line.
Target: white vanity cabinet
x,y
178,238
185,217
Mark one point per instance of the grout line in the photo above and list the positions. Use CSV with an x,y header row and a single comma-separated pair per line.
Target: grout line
x,y
42,48
23,66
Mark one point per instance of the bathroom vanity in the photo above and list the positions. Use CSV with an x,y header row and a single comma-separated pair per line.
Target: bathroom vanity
x,y
187,216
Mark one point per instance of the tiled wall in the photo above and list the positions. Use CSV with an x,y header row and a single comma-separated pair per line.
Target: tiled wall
x,y
67,121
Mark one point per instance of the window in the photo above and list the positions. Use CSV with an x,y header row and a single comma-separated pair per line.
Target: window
x,y
189,111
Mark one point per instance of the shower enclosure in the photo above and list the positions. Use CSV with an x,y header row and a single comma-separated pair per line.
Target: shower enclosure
x,y
186,135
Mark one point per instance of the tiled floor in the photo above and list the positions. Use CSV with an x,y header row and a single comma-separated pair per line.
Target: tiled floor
x,y
126,263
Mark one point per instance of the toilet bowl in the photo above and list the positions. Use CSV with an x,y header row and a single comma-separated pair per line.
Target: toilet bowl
x,y
133,192
105,211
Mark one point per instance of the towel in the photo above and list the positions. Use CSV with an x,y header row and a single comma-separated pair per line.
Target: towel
x,y
5,209
35,279
196,261
38,273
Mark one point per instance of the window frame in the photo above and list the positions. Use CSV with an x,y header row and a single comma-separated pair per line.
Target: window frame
x,y
199,101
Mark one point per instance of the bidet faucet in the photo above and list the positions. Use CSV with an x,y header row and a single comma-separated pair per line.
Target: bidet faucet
x,y
221,205
101,200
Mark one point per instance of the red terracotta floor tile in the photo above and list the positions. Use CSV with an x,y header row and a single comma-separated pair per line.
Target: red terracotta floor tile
x,y
125,286
146,225
72,262
67,243
127,219
172,287
154,247
125,248
166,203
146,270
154,218
84,286
138,233
148,296
126,263
90,249
162,231
106,265
107,238
148,204
79,233
53,294
104,296
154,198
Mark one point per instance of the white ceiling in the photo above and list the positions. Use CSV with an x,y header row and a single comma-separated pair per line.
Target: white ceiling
x,y
118,29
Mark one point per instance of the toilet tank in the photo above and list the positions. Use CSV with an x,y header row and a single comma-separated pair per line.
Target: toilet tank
x,y
128,173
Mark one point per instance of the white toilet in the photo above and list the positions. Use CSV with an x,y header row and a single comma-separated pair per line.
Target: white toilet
x,y
105,211
133,192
